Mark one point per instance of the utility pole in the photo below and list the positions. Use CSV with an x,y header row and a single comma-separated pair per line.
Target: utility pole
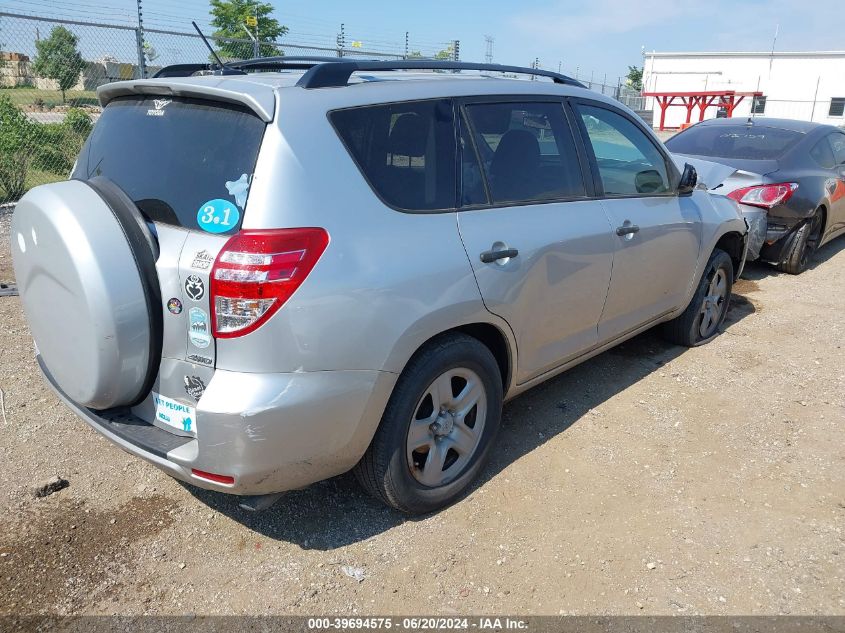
x,y
341,40
488,53
253,21
139,42
406,44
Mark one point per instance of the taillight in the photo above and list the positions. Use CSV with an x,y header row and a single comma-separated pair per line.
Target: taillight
x,y
256,272
764,196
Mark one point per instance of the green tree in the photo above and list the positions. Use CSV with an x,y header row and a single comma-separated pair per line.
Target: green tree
x,y
229,17
58,58
447,53
635,77
16,145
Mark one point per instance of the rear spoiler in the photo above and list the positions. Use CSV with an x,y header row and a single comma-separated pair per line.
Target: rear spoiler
x,y
259,99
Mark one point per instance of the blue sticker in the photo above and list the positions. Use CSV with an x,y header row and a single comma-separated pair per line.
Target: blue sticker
x,y
238,189
218,216
199,333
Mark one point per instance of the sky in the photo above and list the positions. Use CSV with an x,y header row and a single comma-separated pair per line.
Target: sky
x,y
596,38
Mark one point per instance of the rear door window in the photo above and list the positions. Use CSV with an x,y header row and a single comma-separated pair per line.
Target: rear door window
x,y
185,162
406,151
527,151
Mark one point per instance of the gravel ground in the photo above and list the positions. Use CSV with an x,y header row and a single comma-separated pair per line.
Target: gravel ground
x,y
649,480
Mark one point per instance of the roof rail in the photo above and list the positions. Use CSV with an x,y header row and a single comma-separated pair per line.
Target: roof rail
x,y
329,72
338,71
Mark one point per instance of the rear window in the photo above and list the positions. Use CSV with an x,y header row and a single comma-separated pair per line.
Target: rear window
x,y
185,162
754,142
406,151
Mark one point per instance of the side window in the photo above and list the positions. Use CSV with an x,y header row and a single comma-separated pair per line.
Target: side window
x,y
822,153
837,142
526,151
628,162
406,151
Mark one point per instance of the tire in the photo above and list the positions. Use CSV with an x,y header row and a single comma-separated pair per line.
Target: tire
x,y
410,479
802,245
699,323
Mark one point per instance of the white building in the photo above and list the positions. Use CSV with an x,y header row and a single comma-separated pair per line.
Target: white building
x,y
809,86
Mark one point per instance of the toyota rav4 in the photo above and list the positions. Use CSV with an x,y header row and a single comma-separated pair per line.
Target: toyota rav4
x,y
268,274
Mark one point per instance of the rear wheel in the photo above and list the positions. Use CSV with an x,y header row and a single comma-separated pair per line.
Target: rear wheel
x,y
802,245
438,427
700,322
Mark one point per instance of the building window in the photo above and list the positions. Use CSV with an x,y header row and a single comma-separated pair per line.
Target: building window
x,y
837,106
758,106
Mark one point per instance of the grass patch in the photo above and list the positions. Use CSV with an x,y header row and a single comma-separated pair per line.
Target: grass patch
x,y
23,96
36,177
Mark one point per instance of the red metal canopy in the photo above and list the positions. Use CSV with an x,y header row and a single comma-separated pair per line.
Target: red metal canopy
x,y
727,99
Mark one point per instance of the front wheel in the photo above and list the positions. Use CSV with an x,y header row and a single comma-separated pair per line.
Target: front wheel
x,y
700,322
437,428
801,246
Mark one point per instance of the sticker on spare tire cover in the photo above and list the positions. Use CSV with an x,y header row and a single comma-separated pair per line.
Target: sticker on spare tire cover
x,y
218,216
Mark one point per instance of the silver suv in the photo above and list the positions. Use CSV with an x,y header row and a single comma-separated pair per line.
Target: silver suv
x,y
260,280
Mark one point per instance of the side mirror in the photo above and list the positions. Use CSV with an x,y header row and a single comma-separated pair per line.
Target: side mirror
x,y
689,179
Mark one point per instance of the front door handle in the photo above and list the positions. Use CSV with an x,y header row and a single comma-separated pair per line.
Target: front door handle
x,y
627,229
488,257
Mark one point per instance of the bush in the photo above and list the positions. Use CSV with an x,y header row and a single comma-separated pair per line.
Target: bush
x,y
16,142
79,122
58,144
51,151
49,147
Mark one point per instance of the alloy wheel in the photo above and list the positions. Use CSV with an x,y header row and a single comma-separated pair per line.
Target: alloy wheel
x,y
446,428
714,304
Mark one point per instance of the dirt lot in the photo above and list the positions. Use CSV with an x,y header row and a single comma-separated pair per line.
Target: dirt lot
x,y
651,479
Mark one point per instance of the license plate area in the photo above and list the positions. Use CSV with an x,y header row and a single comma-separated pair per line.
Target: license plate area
x,y
174,415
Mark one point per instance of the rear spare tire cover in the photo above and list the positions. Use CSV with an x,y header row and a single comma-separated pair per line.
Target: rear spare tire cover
x,y
86,276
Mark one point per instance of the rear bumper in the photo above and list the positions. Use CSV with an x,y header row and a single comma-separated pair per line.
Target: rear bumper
x,y
757,220
271,432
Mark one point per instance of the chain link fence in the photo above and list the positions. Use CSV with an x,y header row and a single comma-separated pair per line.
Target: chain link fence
x,y
51,68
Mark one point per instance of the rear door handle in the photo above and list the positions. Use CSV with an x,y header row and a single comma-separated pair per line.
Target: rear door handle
x,y
627,229
488,257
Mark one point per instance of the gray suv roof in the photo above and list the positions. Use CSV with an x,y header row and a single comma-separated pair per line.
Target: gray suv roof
x,y
259,91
